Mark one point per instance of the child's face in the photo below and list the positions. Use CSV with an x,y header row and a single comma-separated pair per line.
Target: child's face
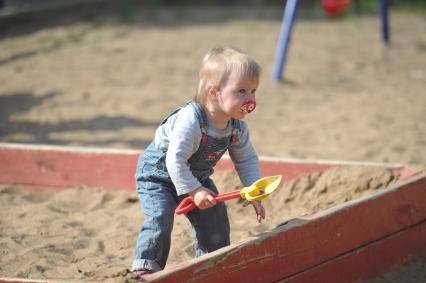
x,y
234,95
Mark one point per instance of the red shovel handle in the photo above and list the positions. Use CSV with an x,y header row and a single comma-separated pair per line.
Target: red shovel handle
x,y
187,204
228,195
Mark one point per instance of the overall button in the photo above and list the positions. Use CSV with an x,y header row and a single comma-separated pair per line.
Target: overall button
x,y
160,166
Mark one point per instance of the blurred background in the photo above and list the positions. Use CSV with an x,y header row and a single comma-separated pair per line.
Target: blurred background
x,y
99,73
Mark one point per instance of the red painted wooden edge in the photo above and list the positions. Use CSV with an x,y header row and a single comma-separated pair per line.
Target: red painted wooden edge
x,y
64,167
368,261
305,243
61,167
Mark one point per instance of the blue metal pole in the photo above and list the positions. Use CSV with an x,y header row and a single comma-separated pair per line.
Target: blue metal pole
x,y
384,19
284,39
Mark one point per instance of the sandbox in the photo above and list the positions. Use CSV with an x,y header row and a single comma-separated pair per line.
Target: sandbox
x,y
360,236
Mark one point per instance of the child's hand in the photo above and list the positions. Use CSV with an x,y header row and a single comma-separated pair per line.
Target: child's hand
x,y
258,207
204,198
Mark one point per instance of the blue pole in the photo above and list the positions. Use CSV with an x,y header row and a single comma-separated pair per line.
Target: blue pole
x,y
284,39
385,20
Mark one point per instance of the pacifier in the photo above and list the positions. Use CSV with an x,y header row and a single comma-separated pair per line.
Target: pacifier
x,y
249,106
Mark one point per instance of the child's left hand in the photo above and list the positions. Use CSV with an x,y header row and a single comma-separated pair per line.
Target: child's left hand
x,y
258,207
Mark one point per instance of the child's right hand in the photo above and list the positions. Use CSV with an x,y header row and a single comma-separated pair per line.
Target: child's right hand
x,y
203,198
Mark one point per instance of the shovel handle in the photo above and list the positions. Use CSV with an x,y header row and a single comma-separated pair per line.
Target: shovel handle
x,y
188,204
228,195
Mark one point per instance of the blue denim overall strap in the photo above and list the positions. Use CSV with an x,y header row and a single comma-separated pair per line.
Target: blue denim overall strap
x,y
156,159
170,115
211,149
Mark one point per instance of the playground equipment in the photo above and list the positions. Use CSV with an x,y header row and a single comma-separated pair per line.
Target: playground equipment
x,y
332,7
360,238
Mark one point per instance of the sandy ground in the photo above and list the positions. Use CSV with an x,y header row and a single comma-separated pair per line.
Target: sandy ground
x,y
345,95
109,82
89,233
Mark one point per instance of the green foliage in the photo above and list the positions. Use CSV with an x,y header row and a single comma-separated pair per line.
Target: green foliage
x,y
412,6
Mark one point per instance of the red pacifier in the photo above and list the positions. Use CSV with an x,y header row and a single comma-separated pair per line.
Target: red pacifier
x,y
249,106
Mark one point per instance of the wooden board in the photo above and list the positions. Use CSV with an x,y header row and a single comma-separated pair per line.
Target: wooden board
x,y
65,167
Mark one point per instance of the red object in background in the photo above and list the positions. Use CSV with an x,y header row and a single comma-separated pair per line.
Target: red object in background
x,y
334,7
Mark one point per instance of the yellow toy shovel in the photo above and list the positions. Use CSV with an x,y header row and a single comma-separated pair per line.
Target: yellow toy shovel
x,y
258,191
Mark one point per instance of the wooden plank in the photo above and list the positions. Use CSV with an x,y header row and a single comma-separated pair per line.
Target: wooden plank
x,y
64,167
56,166
368,261
305,243
61,167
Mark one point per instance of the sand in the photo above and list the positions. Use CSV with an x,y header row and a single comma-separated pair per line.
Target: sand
x,y
108,82
88,234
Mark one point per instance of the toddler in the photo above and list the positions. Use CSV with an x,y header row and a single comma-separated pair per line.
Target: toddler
x,y
187,145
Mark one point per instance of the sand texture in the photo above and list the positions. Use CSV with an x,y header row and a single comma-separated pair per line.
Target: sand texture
x,y
89,233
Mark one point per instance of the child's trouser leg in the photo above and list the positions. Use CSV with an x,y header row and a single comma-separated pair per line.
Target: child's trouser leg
x,y
153,242
210,226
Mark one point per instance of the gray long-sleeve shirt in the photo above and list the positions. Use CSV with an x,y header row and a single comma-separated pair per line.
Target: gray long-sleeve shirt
x,y
180,135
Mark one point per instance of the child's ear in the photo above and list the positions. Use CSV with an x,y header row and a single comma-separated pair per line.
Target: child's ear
x,y
213,91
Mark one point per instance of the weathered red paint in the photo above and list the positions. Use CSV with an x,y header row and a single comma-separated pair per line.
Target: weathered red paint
x,y
59,167
368,261
62,167
372,230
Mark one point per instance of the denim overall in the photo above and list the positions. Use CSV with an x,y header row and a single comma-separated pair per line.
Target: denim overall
x,y
159,199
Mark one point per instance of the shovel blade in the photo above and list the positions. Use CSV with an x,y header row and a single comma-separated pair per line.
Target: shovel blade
x,y
262,188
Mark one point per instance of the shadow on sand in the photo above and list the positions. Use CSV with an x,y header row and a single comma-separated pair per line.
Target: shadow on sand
x,y
11,104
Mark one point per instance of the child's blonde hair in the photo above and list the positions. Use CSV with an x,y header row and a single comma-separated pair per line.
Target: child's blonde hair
x,y
218,64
